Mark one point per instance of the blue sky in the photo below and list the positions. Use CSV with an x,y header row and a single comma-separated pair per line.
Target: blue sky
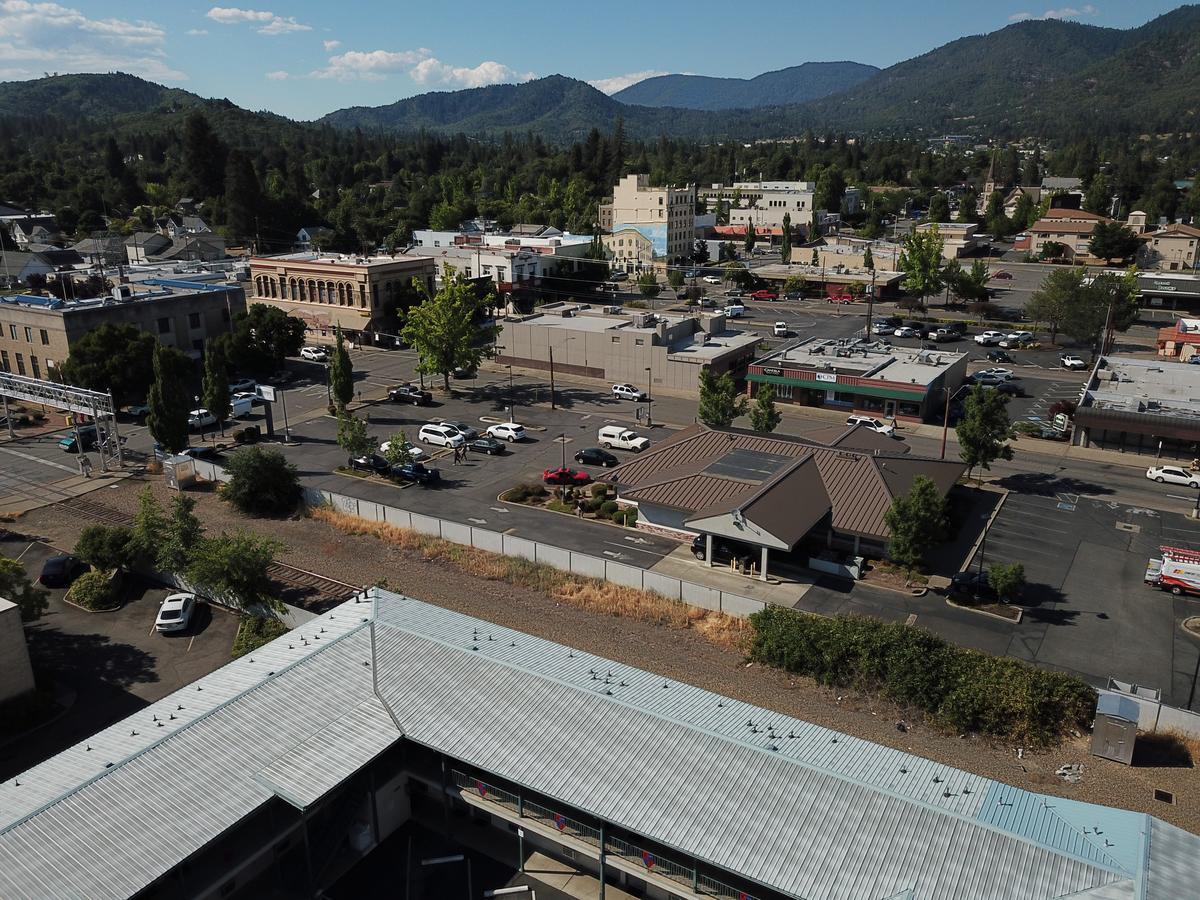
x,y
303,59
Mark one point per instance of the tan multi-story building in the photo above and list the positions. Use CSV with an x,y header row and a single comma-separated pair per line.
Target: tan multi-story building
x,y
329,289
629,251
1072,228
37,333
666,216
958,238
1170,249
763,204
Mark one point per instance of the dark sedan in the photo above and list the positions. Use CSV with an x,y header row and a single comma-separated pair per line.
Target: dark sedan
x,y
594,456
374,463
407,393
416,472
61,570
972,584
1000,356
488,445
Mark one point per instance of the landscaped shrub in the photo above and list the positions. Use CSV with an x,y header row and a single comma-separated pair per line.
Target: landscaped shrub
x,y
1066,407
963,690
627,517
523,493
93,590
608,507
254,631
599,489
595,503
104,546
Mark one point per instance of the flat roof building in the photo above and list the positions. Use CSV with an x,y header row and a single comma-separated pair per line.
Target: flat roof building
x,y
1144,405
619,344
37,332
865,376
958,238
279,771
665,215
330,289
510,261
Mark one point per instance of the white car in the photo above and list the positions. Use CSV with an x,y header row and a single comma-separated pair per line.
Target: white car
x,y
779,329
1019,337
905,331
507,431
316,354
1174,475
873,424
1071,361
989,338
628,392
711,279
175,614
240,385
201,418
883,328
415,453
996,372
440,436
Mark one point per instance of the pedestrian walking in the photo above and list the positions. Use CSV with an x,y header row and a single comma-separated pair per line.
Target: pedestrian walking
x,y
85,466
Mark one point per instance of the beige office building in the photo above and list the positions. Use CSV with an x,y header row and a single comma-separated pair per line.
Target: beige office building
x,y
666,216
37,333
329,289
1170,249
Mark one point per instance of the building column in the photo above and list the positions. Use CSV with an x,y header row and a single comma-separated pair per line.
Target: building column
x,y
856,543
708,549
762,574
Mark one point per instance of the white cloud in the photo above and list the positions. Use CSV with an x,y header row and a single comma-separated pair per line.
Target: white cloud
x,y
278,75
433,71
196,32
331,45
268,22
371,65
620,82
1066,12
49,37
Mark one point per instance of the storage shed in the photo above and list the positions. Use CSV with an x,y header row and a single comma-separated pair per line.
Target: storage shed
x,y
1115,730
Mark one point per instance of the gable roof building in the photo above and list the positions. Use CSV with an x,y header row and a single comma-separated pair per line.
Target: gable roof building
x,y
673,785
1173,248
774,491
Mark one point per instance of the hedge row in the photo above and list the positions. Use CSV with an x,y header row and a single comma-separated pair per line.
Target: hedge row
x,y
962,690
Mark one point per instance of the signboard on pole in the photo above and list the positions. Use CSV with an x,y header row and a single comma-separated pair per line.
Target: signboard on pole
x,y
266,392
1061,421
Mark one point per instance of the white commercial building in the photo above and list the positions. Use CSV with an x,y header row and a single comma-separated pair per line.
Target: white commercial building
x,y
763,204
507,259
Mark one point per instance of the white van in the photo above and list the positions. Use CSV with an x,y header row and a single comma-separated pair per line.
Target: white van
x,y
618,436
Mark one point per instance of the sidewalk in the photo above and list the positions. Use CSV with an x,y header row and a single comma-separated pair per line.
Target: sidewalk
x,y
782,590
56,492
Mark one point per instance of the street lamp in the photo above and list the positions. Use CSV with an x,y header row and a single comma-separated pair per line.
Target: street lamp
x,y
562,440
649,396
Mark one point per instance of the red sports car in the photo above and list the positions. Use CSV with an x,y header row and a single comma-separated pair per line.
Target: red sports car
x,y
1005,276
565,476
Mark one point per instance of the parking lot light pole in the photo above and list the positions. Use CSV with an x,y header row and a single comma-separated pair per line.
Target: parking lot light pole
x,y
649,397
552,406
562,440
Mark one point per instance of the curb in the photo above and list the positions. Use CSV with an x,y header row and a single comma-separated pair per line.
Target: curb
x,y
1004,492
984,612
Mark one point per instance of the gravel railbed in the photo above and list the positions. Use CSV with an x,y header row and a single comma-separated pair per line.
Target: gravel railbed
x,y
672,652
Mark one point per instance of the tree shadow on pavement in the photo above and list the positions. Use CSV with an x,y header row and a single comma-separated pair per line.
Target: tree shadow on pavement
x,y
61,654
1047,484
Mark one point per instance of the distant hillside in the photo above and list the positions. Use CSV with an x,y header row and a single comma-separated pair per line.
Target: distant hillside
x,y
90,97
797,84
556,107
1032,78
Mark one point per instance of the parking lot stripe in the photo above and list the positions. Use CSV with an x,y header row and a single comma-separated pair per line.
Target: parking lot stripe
x,y
1024,548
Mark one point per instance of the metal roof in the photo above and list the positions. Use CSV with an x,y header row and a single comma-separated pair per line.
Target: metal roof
x,y
790,805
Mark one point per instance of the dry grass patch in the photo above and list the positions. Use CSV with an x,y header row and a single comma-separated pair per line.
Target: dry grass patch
x,y
590,594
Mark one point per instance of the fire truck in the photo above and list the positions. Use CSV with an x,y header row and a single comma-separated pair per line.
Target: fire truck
x,y
1178,571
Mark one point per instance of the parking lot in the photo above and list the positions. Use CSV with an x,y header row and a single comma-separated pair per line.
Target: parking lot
x,y
111,664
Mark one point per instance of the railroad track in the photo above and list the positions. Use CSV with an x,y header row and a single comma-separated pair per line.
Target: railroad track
x,y
298,587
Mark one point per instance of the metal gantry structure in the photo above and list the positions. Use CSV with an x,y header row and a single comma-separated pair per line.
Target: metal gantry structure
x,y
75,400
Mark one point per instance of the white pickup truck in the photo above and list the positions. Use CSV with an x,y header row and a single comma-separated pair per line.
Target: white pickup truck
x,y
615,436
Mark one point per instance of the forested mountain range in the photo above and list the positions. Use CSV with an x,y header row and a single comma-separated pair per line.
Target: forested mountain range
x,y
796,84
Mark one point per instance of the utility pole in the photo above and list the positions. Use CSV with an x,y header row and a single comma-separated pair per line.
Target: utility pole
x,y
870,307
551,349
945,420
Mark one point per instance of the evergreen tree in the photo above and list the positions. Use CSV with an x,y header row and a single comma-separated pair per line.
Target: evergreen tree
x,y
720,402
749,243
785,247
764,416
243,196
215,391
341,372
203,163
868,259
168,399
916,522
939,208
352,434
984,429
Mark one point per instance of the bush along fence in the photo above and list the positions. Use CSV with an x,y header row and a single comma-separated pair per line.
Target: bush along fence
x,y
962,690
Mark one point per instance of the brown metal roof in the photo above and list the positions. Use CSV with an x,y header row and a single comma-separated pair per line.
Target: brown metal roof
x,y
856,484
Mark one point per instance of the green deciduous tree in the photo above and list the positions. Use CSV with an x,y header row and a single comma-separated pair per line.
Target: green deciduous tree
x,y
261,482
16,586
397,447
737,274
921,262
984,428
341,372
149,528
748,245
117,358
1007,580
675,279
720,402
445,330
181,533
1055,301
234,567
939,208
352,433
168,400
1113,241
215,390
916,522
648,285
104,546
971,285
764,415
263,337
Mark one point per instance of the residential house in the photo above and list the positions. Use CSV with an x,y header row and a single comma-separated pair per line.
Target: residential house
x,y
1170,249
311,236
176,225
142,245
104,250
